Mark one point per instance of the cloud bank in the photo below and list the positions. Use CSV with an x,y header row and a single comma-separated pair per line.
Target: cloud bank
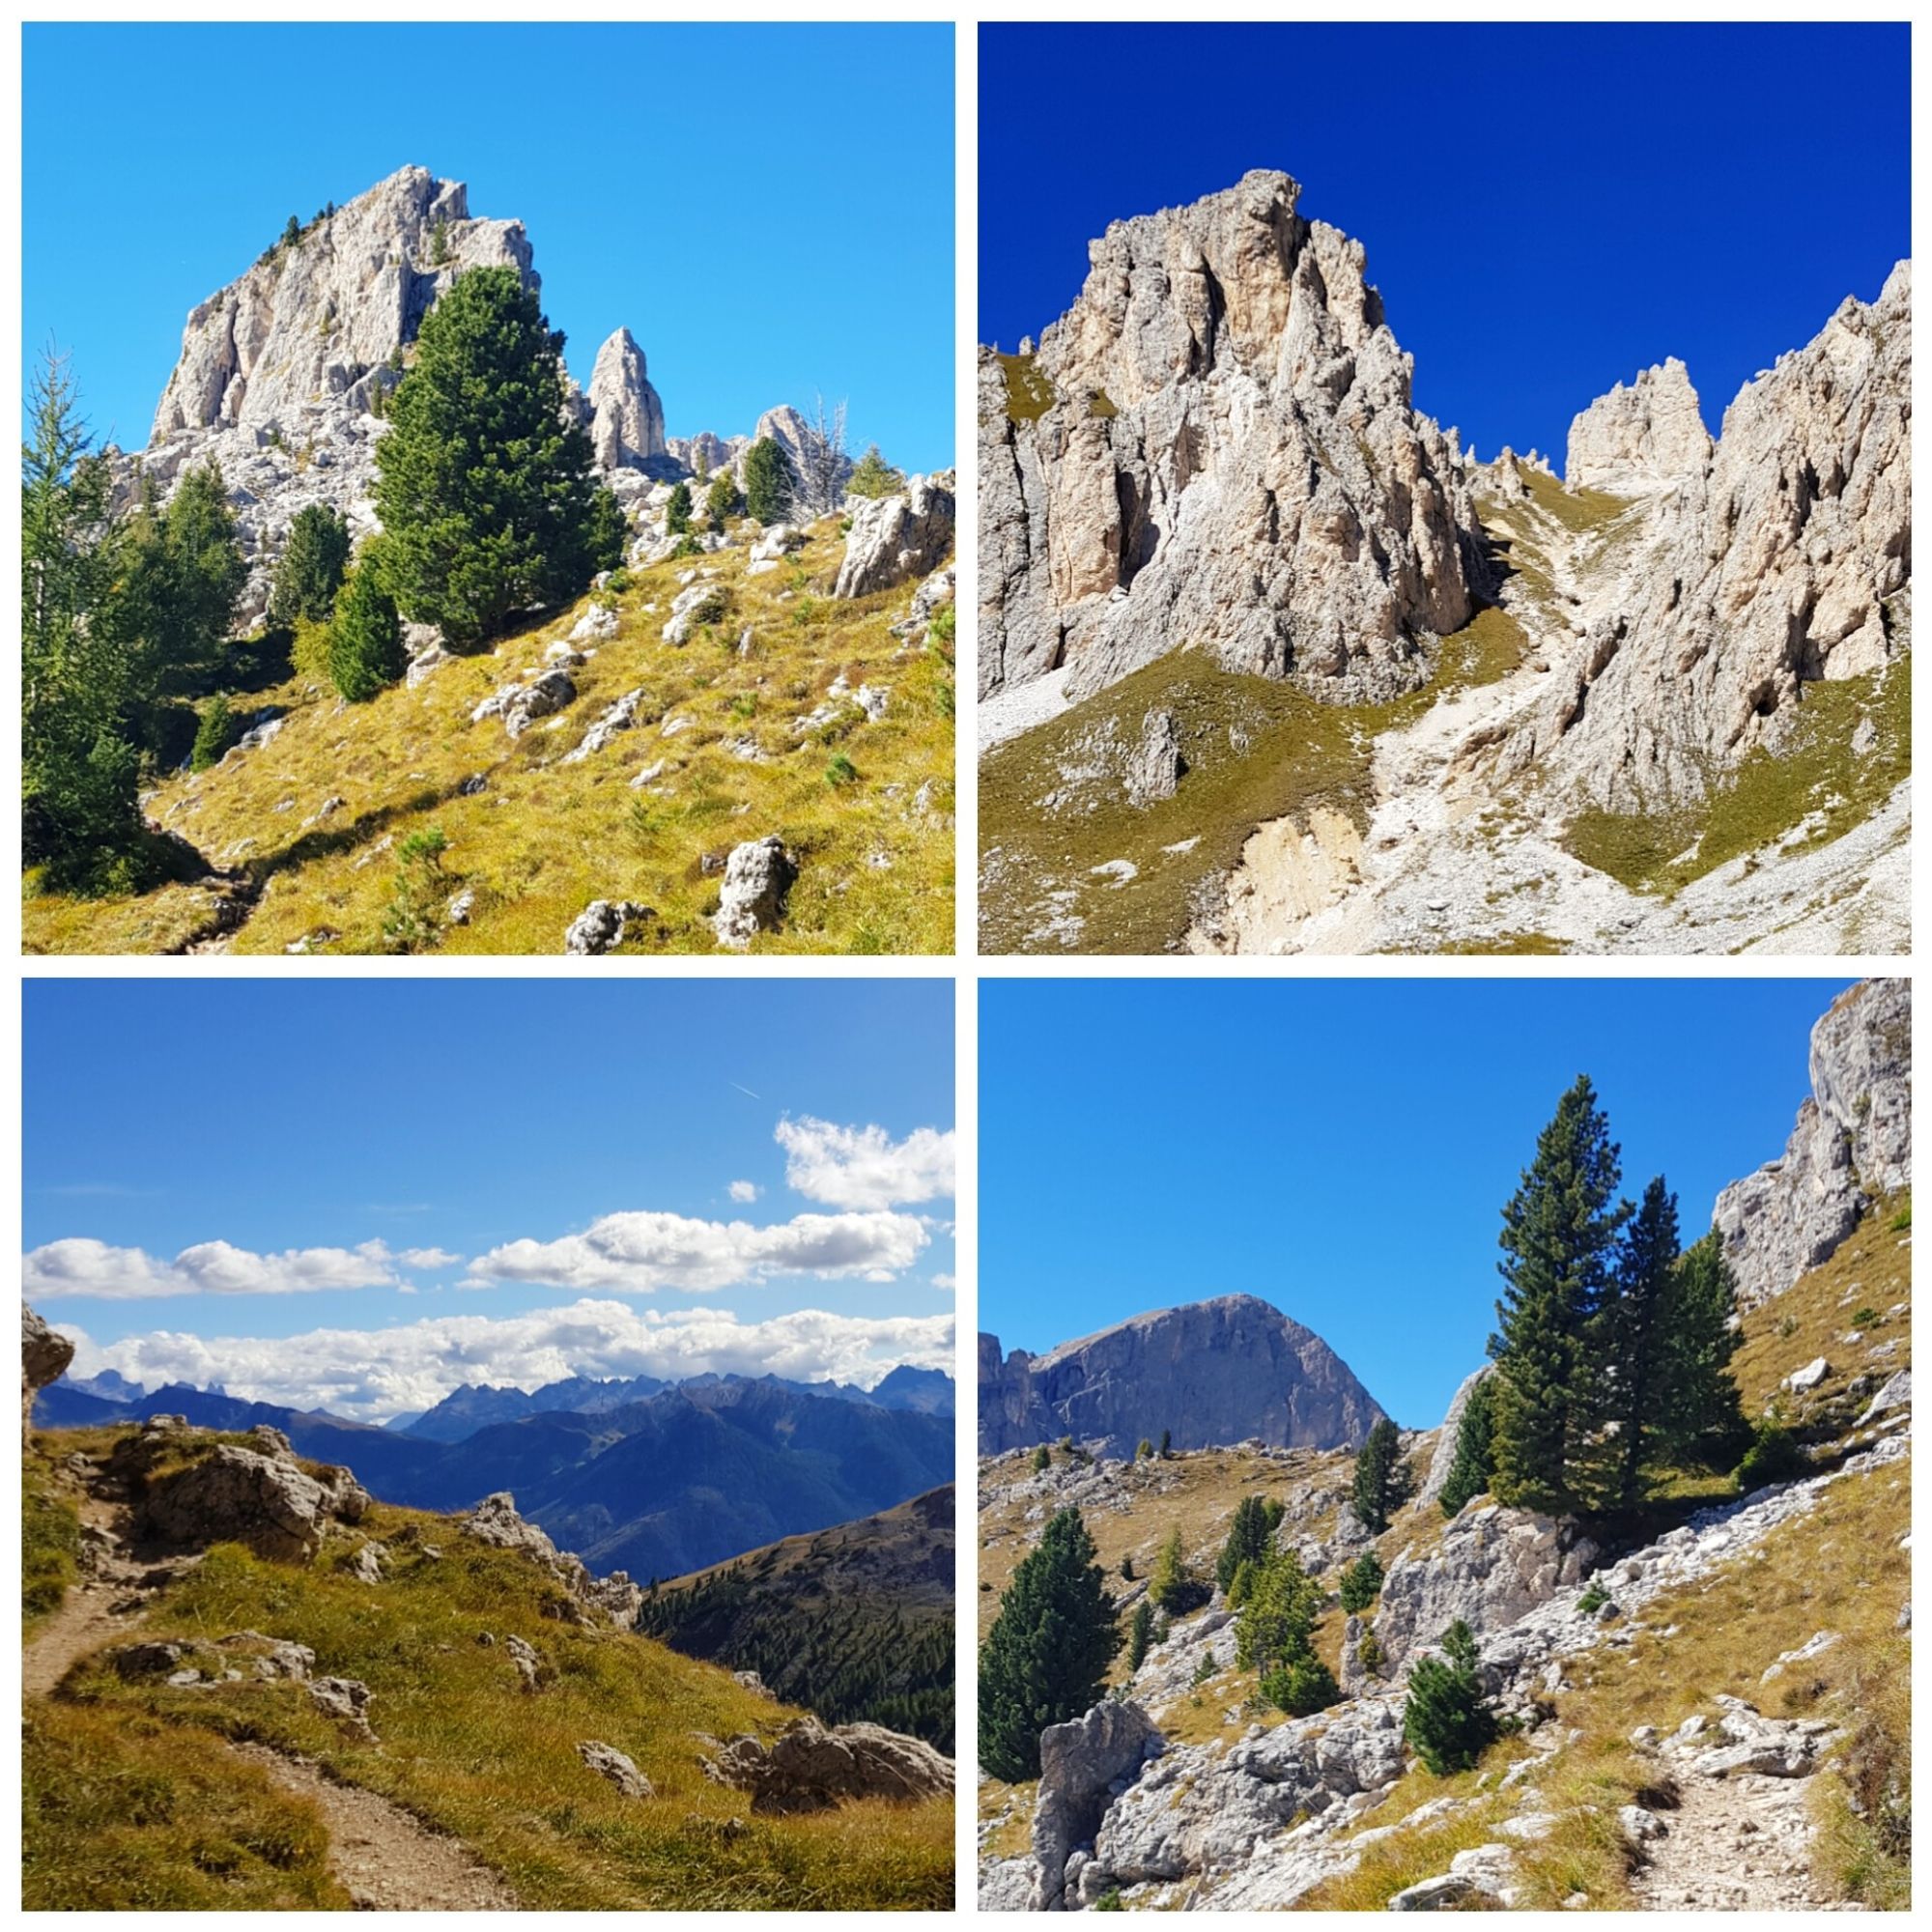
x,y
864,1167
80,1266
371,1375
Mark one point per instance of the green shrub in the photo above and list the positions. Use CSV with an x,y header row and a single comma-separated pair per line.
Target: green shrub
x,y
1592,1599
1301,1688
365,647
413,920
1361,1583
212,735
1042,1457
722,501
677,512
873,476
1774,1456
840,769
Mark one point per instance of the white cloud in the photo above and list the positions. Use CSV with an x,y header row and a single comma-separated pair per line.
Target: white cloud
x,y
637,1252
432,1259
864,1167
371,1375
945,1283
744,1190
81,1267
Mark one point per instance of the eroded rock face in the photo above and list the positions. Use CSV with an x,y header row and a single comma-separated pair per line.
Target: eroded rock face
x,y
1756,575
759,878
1206,1373
899,538
627,419
1085,1764
1494,1567
43,1358
813,1766
1638,437
1215,447
1852,1143
238,1495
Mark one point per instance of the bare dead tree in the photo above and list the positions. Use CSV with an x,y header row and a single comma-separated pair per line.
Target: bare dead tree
x,y
823,459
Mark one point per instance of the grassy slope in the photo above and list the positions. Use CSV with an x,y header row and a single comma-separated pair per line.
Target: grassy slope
x,y
1297,755
462,1749
541,838
855,1621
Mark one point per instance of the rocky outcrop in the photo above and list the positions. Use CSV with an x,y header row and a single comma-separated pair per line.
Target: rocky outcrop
x,y
759,878
1215,448
627,427
1852,1144
1492,1567
897,539
811,1767
1085,1764
496,1521
1209,1373
1637,439
603,925
1753,577
260,1496
44,1357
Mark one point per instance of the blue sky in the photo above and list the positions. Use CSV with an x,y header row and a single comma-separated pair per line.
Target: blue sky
x,y
1342,1148
1547,208
520,1149
687,182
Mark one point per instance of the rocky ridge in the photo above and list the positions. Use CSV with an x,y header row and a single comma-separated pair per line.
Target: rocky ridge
x,y
1210,1372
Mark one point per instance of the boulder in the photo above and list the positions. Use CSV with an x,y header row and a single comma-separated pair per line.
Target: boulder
x,y
895,539
758,877
604,924
811,1767
347,1700
237,1495
44,1355
621,716
608,1762
1155,768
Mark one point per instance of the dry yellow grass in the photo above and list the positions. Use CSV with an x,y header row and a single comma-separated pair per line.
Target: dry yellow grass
x,y
540,839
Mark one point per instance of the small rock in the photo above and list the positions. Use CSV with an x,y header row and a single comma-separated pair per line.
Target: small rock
x,y
603,925
608,1761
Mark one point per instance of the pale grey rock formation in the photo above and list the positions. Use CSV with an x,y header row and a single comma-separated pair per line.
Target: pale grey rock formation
x,y
1084,1765
1773,567
608,1762
1852,1143
759,876
1639,438
1157,766
1492,1567
623,716
813,1767
627,418
521,703
238,1495
1215,447
898,538
44,1357
1208,1373
347,1700
1442,1457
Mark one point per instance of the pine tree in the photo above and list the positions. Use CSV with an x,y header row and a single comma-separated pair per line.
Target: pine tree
x,y
212,736
1140,1633
311,567
1558,1240
1249,1536
1378,1486
365,644
485,490
174,607
609,531
1045,1658
873,476
1627,1341
78,771
1472,1467
1170,1585
1697,1415
768,482
1445,1720
1166,1444
1361,1583
677,512
1301,1688
722,501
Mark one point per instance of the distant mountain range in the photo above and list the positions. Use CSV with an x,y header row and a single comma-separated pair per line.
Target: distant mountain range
x,y
638,1475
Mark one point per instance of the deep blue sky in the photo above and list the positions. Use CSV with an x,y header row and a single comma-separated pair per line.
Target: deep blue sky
x,y
1342,1148
685,180
1546,209
459,1115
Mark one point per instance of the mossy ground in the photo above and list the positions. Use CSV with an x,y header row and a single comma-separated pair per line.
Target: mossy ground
x,y
1255,750
462,1749
540,839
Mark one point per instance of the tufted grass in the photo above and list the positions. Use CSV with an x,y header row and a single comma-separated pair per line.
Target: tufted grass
x,y
1257,749
461,1748
543,840
49,1542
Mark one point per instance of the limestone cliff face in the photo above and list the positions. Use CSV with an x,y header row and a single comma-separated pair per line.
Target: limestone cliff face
x,y
1753,575
1209,1373
1214,448
315,317
1852,1144
1638,438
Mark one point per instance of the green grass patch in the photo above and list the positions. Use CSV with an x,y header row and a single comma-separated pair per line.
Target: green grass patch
x,y
1255,750
50,1544
1029,394
1814,770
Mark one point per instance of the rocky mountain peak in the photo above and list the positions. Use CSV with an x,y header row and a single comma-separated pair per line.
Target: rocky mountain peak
x,y
1851,1146
317,316
627,427
1209,1373
1214,447
1642,437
